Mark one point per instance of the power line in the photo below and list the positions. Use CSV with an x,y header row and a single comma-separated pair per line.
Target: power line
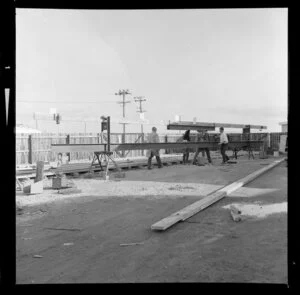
x,y
66,102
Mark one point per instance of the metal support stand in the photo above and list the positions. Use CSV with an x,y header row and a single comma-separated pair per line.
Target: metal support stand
x,y
105,156
247,147
96,156
234,153
250,152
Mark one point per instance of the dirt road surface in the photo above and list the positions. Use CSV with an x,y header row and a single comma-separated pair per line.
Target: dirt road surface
x,y
78,239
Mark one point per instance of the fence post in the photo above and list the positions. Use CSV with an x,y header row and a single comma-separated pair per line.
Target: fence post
x,y
166,140
68,142
123,141
143,140
30,149
39,171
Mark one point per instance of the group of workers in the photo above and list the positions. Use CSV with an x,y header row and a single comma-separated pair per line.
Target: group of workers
x,y
202,136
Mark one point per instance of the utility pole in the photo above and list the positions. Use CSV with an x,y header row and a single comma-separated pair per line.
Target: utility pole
x,y
84,127
123,102
36,120
140,110
140,99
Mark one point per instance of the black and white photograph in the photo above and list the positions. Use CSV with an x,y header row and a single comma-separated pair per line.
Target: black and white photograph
x,y
151,145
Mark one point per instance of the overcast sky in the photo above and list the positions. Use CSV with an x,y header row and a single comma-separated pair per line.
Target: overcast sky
x,y
219,65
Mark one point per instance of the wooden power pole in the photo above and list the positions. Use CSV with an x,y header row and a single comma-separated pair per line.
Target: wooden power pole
x,y
140,99
123,93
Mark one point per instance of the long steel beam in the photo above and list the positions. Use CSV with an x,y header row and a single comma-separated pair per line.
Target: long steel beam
x,y
204,125
67,148
189,127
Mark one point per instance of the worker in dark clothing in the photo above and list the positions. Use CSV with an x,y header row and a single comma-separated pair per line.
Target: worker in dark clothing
x,y
204,137
186,138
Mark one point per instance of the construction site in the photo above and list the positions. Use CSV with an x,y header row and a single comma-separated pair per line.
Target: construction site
x,y
180,201
110,219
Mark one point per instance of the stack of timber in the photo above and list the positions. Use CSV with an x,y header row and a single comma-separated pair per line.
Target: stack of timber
x,y
86,166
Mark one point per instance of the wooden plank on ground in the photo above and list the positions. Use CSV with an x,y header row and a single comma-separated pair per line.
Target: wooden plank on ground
x,y
212,198
188,211
237,184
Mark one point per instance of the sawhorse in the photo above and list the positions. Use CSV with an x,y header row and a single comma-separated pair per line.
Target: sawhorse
x,y
247,147
106,156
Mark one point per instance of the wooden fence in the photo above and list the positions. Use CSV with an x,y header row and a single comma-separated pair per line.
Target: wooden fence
x,y
275,140
37,147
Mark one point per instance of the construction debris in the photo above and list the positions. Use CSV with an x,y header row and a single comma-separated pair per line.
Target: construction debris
x,y
235,213
19,210
132,244
69,229
68,191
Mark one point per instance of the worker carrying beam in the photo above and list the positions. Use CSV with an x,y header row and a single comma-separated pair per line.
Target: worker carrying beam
x,y
202,136
223,145
153,138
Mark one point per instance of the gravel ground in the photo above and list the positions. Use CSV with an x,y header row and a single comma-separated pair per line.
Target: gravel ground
x,y
79,241
172,182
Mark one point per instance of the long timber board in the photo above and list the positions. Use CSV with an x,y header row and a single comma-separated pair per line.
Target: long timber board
x,y
210,199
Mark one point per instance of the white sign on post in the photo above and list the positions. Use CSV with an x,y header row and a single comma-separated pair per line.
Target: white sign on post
x,y
52,111
142,116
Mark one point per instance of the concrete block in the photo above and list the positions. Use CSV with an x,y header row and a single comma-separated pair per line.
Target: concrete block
x,y
58,182
34,188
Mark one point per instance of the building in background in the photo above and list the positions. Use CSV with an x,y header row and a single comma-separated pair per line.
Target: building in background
x,y
284,126
21,129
